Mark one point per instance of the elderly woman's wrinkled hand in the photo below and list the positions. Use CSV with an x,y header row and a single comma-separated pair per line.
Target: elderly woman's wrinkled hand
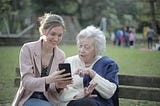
x,y
82,71
87,92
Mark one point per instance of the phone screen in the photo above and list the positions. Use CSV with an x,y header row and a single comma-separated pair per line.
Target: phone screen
x,y
65,66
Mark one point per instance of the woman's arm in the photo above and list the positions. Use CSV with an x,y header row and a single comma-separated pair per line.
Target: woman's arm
x,y
104,87
29,79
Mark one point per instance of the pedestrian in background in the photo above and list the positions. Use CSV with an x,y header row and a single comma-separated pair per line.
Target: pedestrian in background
x,y
150,35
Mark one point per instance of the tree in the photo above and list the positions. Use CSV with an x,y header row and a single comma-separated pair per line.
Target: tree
x,y
118,13
152,12
13,13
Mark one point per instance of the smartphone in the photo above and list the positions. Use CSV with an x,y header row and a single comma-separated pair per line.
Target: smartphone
x,y
65,66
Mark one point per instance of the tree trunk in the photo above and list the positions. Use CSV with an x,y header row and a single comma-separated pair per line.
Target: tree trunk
x,y
152,12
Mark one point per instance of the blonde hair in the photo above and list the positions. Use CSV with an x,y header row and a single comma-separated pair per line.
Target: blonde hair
x,y
49,20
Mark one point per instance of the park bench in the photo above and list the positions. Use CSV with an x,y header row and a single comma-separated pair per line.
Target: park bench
x,y
130,87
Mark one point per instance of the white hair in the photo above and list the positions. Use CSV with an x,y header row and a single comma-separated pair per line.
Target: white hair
x,y
97,35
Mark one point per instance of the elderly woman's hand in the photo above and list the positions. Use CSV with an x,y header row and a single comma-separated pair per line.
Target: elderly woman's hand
x,y
82,71
87,92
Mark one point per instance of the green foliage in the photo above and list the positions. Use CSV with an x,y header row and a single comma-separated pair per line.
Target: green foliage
x,y
16,12
13,15
5,6
65,7
113,22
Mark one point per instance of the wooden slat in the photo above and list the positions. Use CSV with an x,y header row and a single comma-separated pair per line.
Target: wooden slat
x,y
142,81
17,82
139,94
17,79
130,87
17,71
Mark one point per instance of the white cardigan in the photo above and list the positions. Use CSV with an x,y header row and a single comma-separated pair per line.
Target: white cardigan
x,y
104,87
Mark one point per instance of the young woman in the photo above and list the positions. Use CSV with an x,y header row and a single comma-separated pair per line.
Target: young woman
x,y
40,80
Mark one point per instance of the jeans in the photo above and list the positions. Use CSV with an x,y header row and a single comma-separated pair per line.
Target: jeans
x,y
83,102
150,42
37,102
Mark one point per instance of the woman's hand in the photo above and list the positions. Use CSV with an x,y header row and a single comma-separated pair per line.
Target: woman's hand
x,y
87,92
63,84
82,71
58,77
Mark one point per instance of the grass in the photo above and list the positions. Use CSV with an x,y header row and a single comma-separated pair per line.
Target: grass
x,y
131,61
136,62
8,62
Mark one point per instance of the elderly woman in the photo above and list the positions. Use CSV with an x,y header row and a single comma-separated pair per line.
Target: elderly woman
x,y
40,80
95,78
